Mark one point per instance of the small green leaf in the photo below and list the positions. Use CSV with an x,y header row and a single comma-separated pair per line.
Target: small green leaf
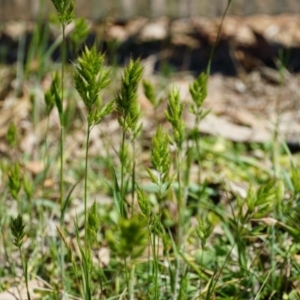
x,y
152,176
295,177
28,187
117,195
55,93
96,116
150,92
280,190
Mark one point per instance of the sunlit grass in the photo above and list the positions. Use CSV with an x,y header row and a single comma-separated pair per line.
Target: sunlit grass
x,y
116,213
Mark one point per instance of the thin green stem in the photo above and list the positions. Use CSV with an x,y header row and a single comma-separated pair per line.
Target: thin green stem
x,y
198,153
85,187
133,175
131,283
155,246
155,266
180,200
122,204
24,267
61,191
181,210
62,125
197,144
61,185
46,158
126,276
217,39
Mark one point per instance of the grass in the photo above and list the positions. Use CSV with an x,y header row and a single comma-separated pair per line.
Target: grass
x,y
116,215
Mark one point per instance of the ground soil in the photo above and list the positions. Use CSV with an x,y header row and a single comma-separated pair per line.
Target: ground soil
x,y
254,86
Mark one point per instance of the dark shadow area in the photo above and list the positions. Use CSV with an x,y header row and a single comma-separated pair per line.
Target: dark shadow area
x,y
228,58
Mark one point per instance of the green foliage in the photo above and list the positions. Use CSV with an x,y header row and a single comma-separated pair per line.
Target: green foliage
x,y
86,264
17,229
28,187
150,92
12,135
128,110
239,248
204,230
161,162
144,203
90,77
130,237
174,115
264,200
125,157
160,153
15,180
198,91
295,178
93,223
65,10
280,191
80,32
98,113
127,100
52,96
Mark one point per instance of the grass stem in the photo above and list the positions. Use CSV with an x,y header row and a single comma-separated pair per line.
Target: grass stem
x,y
85,187
122,158
61,181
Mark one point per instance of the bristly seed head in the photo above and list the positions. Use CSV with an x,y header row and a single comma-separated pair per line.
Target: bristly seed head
x,y
127,100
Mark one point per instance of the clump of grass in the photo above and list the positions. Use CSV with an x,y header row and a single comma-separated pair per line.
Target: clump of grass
x,y
151,94
128,110
160,176
90,78
65,11
240,247
18,231
161,162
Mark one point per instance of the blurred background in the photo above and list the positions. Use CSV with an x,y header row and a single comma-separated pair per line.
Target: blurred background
x,y
124,9
176,35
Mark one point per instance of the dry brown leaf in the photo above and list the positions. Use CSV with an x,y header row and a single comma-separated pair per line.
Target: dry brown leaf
x,y
268,221
35,167
48,183
219,126
104,256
